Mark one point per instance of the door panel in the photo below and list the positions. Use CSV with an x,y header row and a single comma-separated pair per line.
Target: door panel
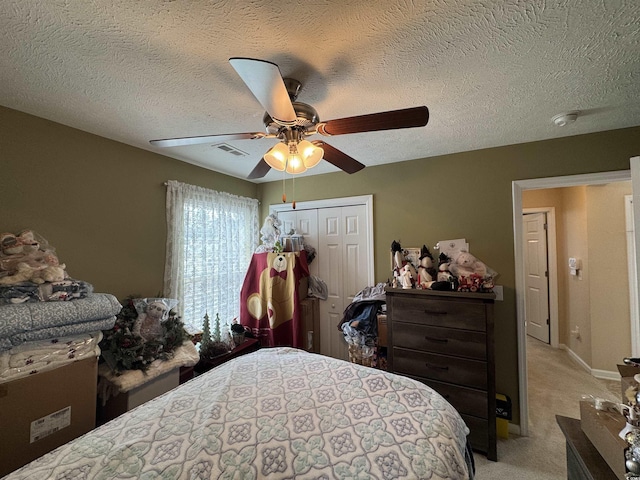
x,y
341,237
536,276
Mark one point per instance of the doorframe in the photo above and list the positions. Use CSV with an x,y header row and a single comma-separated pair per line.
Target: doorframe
x,y
552,268
633,275
366,200
518,186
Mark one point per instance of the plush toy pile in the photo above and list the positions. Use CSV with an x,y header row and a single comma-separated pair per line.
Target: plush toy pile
x,y
30,271
464,273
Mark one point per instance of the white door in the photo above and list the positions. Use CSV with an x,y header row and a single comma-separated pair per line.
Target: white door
x,y
305,223
343,256
536,276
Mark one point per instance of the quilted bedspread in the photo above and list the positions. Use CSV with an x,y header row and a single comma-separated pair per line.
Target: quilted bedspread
x,y
278,413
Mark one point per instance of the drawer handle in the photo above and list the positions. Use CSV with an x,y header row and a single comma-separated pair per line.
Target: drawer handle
x,y
437,367
437,340
435,312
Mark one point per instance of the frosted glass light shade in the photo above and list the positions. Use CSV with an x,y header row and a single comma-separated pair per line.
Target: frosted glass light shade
x,y
295,164
310,154
276,158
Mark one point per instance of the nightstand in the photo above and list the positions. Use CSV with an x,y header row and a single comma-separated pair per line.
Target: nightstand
x,y
248,346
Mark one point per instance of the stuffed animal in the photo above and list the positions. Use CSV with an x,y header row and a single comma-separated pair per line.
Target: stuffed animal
x,y
466,265
406,277
426,270
270,231
24,273
23,243
444,275
51,273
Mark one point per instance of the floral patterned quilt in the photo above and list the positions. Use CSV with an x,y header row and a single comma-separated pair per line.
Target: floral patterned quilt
x,y
278,413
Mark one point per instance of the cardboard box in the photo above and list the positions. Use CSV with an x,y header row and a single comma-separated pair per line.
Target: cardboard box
x,y
627,372
40,412
602,429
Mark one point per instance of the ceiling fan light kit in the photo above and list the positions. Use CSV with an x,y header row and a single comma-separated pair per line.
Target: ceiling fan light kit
x,y
291,121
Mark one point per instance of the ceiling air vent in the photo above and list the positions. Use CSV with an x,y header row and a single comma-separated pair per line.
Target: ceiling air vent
x,y
225,147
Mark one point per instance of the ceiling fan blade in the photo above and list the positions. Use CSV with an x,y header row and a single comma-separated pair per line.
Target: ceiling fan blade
x,y
338,158
177,142
265,82
260,170
404,118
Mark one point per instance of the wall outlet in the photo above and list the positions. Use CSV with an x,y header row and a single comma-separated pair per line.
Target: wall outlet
x,y
497,289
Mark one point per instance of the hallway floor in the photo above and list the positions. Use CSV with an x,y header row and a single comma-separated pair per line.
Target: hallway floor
x,y
556,385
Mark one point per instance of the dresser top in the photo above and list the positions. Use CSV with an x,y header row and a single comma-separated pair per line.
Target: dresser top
x,y
438,293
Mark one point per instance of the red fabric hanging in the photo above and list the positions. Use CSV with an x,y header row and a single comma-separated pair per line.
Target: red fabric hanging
x,y
269,298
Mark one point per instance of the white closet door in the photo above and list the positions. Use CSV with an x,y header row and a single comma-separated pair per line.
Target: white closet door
x,y
343,254
305,223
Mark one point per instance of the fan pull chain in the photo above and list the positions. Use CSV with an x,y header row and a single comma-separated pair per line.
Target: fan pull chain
x,y
284,190
293,181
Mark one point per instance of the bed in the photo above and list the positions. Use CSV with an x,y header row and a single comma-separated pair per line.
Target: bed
x,y
278,413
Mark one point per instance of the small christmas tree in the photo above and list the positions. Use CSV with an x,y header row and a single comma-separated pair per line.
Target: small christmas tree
x,y
211,345
206,333
216,331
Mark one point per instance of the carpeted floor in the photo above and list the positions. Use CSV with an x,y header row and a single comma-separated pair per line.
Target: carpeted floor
x,y
556,384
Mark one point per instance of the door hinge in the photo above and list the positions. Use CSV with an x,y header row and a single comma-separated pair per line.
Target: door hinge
x,y
547,321
546,274
545,226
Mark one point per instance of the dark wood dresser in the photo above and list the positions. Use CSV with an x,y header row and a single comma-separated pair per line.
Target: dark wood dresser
x,y
445,339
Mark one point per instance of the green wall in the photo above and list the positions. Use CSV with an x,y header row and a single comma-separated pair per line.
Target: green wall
x,y
466,195
100,203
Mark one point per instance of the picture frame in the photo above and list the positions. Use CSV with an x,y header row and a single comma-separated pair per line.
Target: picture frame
x,y
411,255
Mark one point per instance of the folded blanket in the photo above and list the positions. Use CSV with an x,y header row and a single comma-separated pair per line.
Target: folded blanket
x,y
43,350
44,364
110,384
12,341
21,318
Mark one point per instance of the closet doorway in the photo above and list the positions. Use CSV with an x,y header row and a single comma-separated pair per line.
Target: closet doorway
x,y
341,231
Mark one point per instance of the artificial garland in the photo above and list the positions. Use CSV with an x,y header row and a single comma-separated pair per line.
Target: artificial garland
x,y
122,350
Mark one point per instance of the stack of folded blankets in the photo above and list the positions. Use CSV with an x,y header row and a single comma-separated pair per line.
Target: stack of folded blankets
x,y
47,319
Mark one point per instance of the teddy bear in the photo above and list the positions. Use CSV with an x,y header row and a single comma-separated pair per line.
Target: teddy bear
x,y
24,272
276,294
466,265
50,273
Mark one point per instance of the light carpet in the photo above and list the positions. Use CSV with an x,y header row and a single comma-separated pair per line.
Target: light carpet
x,y
556,384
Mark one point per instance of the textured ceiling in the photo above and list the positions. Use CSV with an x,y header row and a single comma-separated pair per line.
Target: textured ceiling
x,y
492,72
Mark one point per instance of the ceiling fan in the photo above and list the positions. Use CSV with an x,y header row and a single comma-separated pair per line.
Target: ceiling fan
x,y
291,122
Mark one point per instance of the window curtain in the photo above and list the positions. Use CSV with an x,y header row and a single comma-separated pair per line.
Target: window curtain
x,y
210,240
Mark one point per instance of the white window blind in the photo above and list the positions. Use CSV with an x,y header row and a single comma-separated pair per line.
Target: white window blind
x,y
211,237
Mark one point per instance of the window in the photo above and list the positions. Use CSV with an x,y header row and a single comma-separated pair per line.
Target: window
x,y
211,237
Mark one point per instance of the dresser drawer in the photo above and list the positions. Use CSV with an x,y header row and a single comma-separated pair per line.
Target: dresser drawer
x,y
448,341
461,371
464,400
479,434
458,314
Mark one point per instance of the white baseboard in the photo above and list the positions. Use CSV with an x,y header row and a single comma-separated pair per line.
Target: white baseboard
x,y
514,429
602,374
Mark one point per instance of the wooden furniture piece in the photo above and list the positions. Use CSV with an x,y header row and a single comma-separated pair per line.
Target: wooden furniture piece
x,y
445,339
583,460
248,346
310,320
